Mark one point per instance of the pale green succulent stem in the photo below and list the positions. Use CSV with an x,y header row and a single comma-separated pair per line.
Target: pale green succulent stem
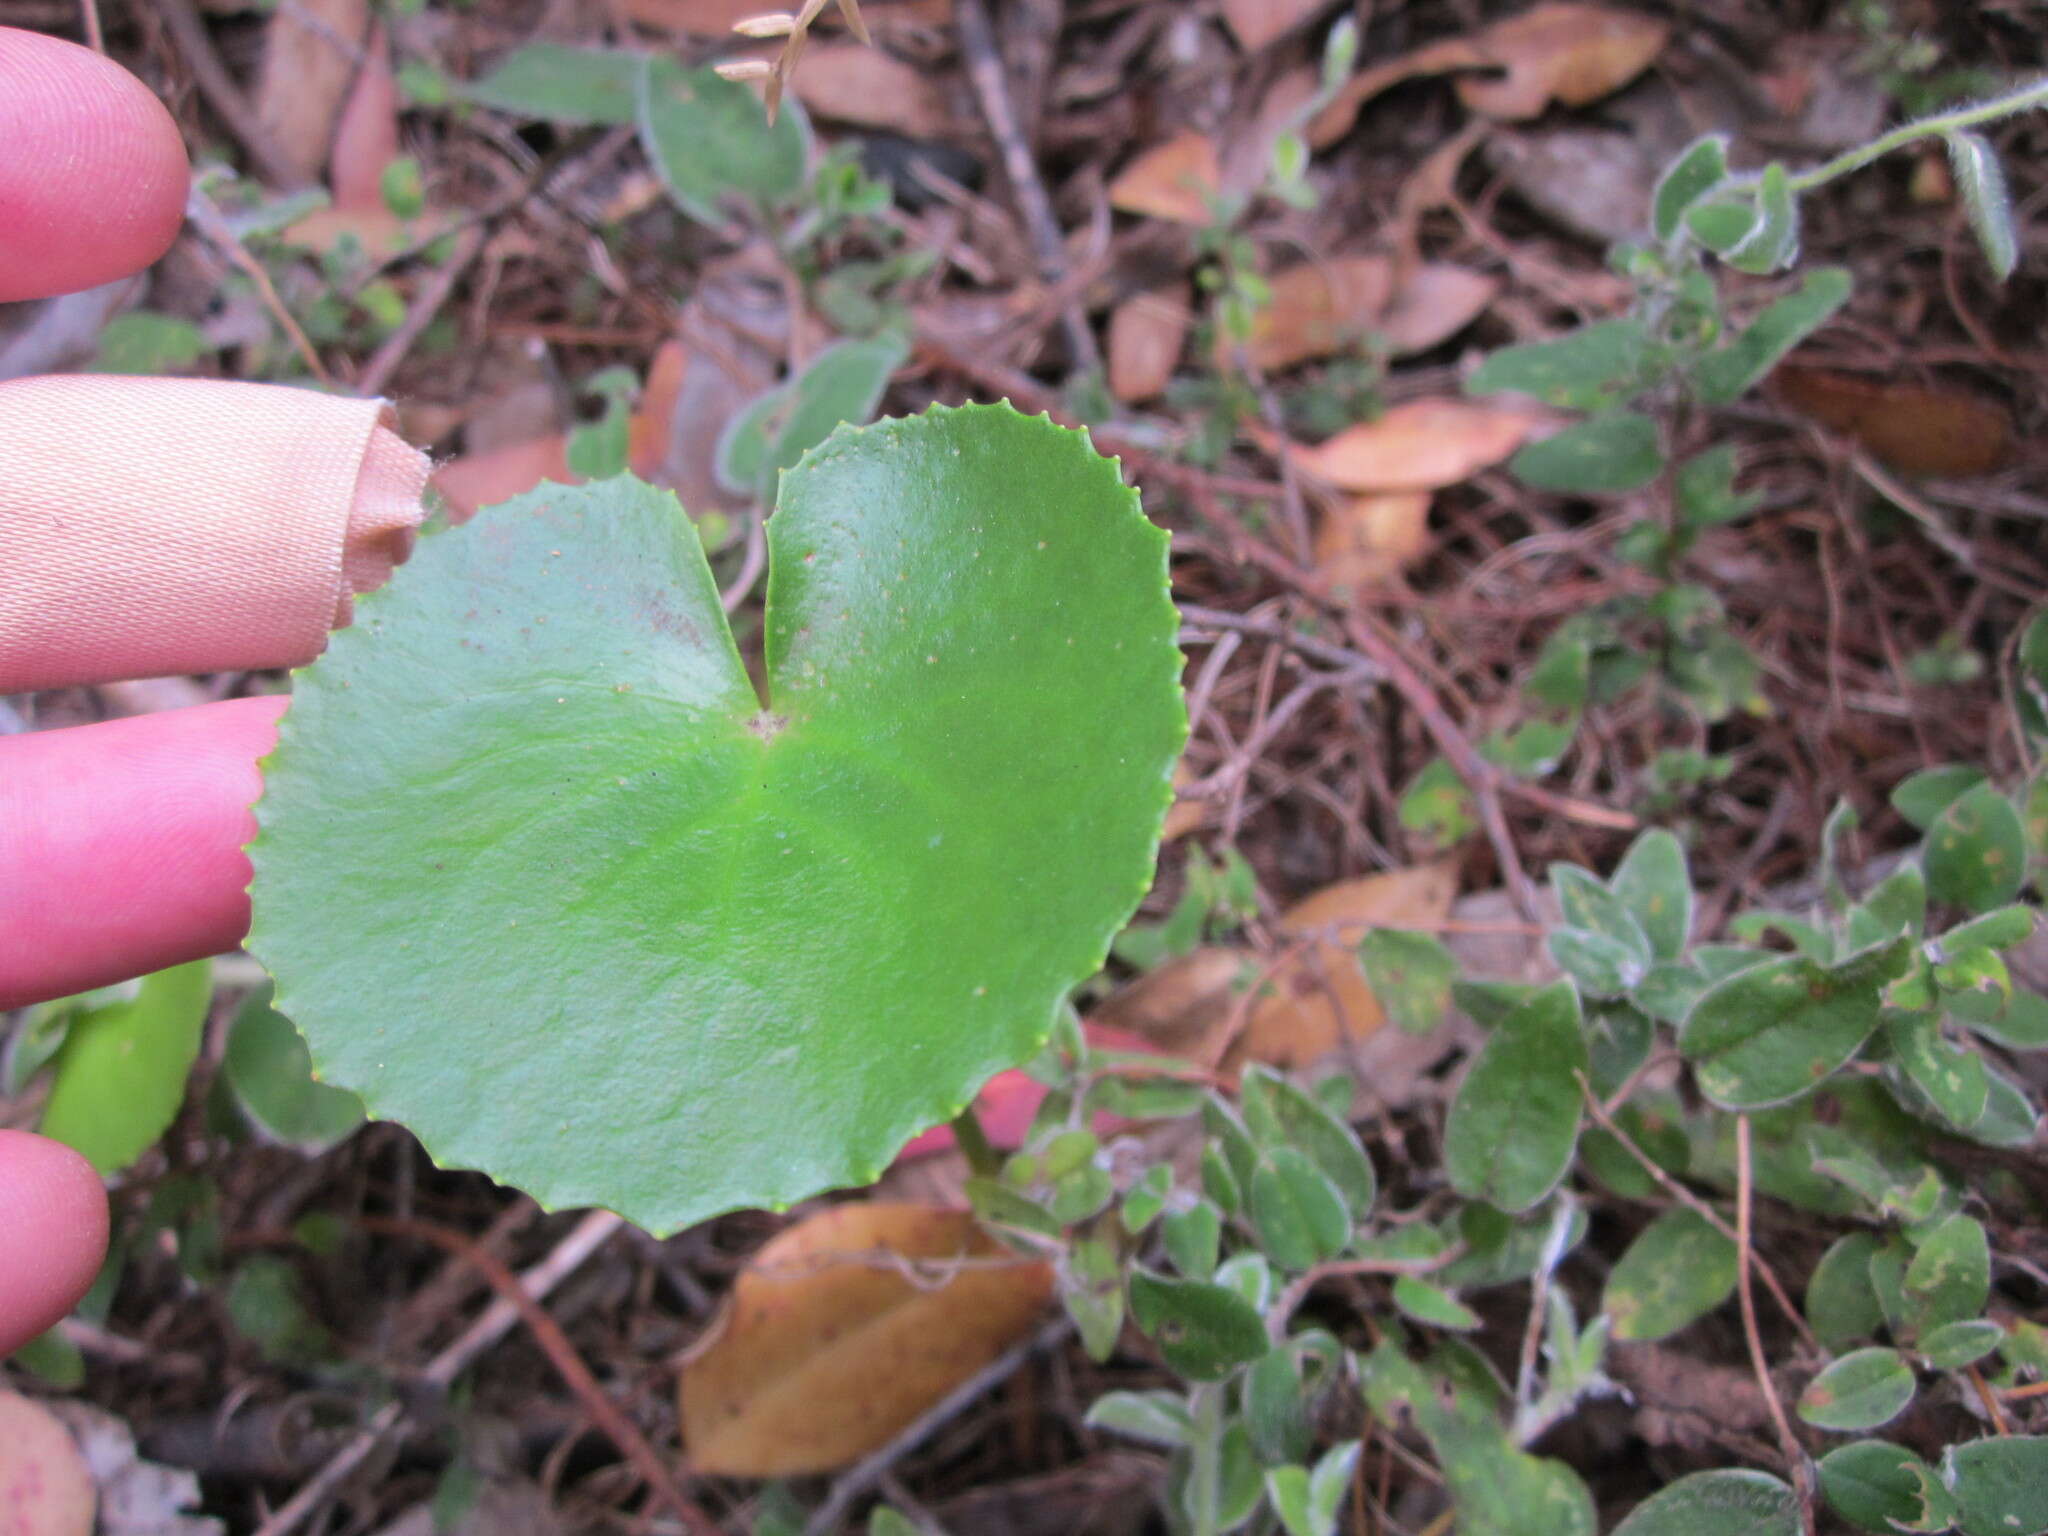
x,y
2024,99
1205,1475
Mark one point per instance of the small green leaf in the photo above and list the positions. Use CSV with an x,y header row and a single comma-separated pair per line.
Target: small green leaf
x,y
1092,1291
1456,1401
119,1076
1298,1214
1677,1271
2022,1027
1725,376
1862,1390
1704,489
1157,1418
1699,169
1778,1030
1618,1040
1668,990
1280,1114
143,341
1922,797
1949,1279
1515,1120
1955,1345
1722,220
1657,1133
1981,180
53,1359
1725,1503
1146,1198
1878,1486
2001,1485
1614,452
1002,1206
1428,1304
1437,803
1653,884
1308,1503
1276,1410
710,141
2001,929
1588,367
1772,242
551,83
843,383
1841,1303
1250,1276
1586,903
1193,1238
1603,967
270,1073
1204,1332
1954,1080
267,1304
1410,974
1976,851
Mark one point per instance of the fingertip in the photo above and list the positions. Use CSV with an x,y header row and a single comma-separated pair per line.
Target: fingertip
x,y
121,844
92,186
53,1233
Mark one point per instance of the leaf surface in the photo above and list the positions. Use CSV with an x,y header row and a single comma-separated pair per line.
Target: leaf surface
x,y
541,877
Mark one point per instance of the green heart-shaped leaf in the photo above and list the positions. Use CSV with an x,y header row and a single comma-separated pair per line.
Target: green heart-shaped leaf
x,y
540,876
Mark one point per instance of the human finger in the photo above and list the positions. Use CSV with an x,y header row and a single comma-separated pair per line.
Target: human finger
x,y
121,844
150,527
93,179
53,1234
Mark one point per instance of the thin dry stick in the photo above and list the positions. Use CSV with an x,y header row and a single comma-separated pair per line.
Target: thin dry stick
x,y
1997,1414
985,71
419,314
1695,1204
1480,776
89,13
200,210
534,1284
1795,1454
864,1475
182,20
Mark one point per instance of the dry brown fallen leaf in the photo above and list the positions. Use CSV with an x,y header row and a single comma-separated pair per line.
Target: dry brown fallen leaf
x,y
309,58
1259,22
1419,445
1321,997
1318,308
1363,540
1177,180
477,480
366,134
717,18
45,1488
1437,301
1175,1005
829,1349
1146,334
1923,432
1563,51
852,83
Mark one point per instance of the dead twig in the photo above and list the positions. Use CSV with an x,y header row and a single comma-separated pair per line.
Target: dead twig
x,y
1796,1461
851,1484
188,30
495,1322
991,87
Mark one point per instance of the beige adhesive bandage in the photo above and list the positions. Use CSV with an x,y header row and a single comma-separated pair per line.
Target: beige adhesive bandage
x,y
150,527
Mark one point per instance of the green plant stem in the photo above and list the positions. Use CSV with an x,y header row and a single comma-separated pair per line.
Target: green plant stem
x,y
982,1158
2021,100
1205,1475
